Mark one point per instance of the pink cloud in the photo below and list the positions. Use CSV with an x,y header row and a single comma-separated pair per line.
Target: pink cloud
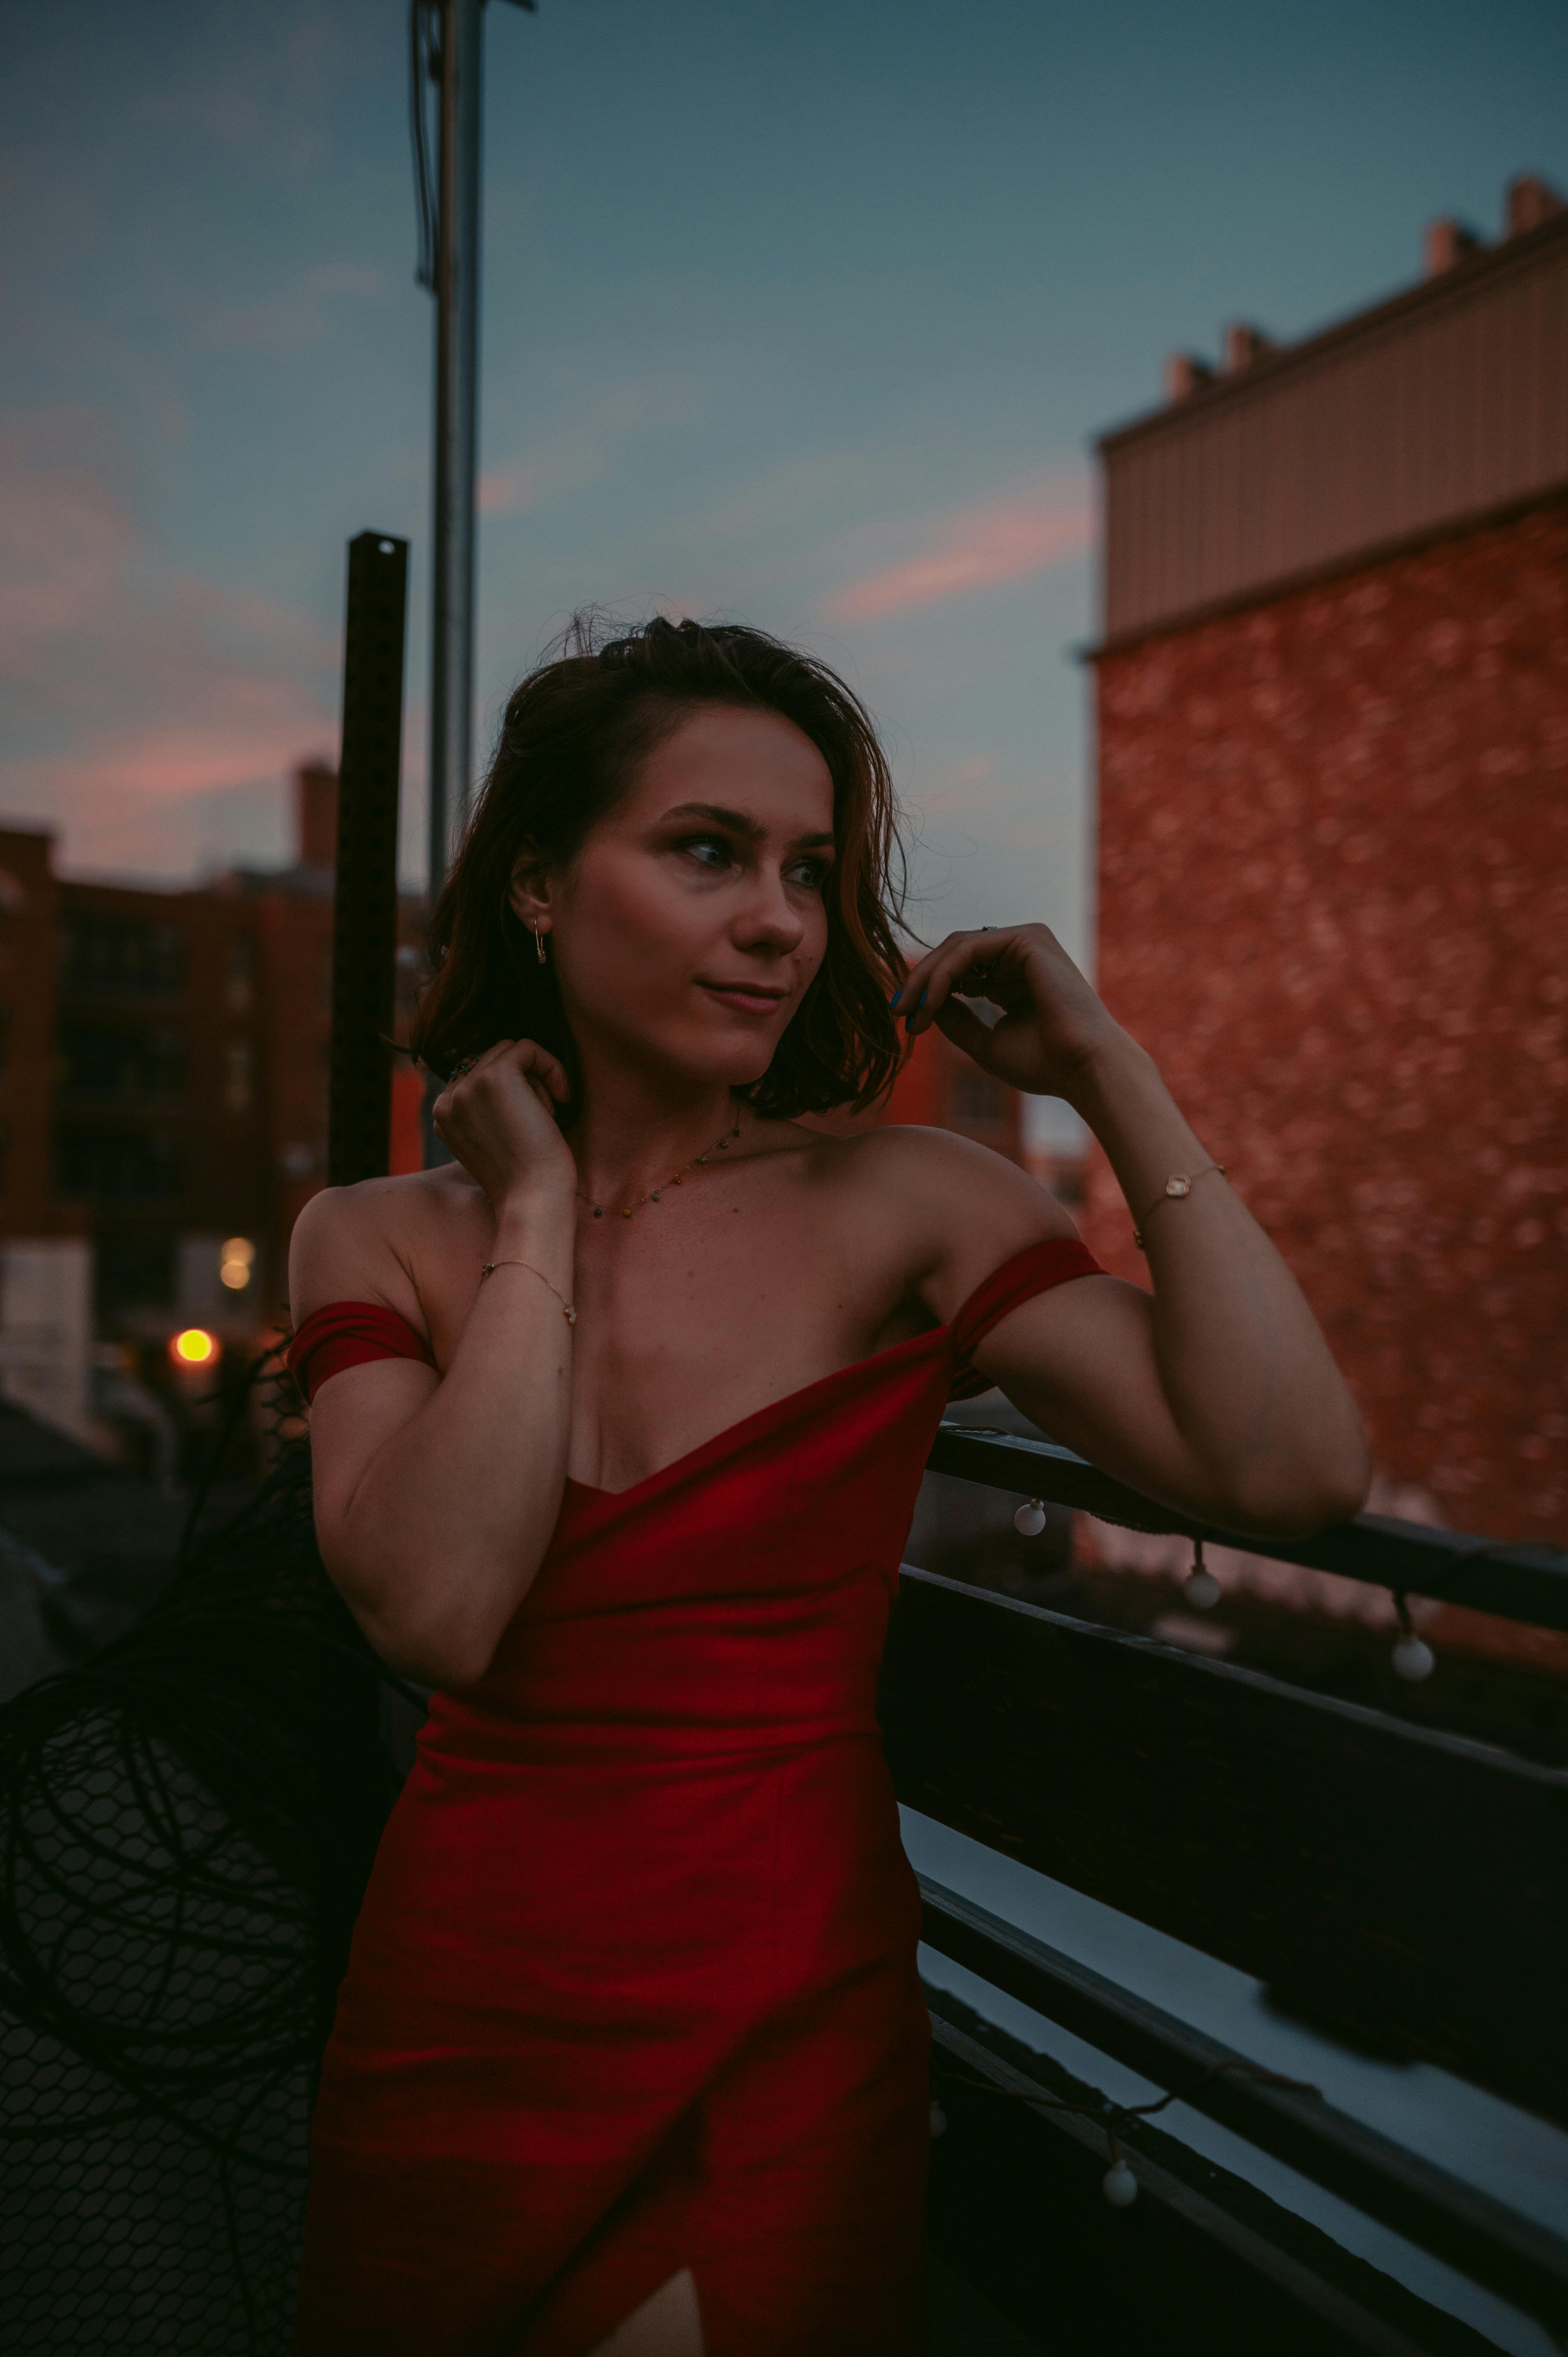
x,y
150,804
129,691
502,489
976,548
247,733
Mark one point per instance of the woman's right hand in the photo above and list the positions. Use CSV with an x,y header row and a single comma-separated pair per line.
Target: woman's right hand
x,y
498,1120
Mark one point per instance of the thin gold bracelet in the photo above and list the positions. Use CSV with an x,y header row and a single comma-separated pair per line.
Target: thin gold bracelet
x,y
1179,1183
490,1267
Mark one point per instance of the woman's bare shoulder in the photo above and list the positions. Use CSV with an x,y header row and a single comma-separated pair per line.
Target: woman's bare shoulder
x,y
935,1166
365,1243
950,1209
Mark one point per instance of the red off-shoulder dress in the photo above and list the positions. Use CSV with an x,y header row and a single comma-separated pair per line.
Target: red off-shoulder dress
x,y
633,1988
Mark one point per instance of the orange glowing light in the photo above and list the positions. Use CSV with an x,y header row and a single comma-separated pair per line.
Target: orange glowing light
x,y
194,1347
235,1263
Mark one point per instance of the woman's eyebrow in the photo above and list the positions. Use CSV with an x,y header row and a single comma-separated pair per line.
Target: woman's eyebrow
x,y
740,823
736,821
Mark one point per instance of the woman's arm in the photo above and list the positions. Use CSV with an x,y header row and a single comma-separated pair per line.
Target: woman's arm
x,y
1216,1393
435,1497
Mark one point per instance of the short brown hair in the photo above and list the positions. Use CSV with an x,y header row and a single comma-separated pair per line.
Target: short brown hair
x,y
573,736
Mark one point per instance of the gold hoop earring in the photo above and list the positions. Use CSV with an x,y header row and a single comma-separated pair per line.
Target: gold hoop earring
x,y
538,945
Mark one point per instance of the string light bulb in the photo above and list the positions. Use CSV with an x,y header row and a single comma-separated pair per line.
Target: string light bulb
x,y
1413,1658
1119,2185
1030,1518
1200,1587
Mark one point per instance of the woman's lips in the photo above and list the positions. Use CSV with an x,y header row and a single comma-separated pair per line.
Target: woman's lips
x,y
744,1000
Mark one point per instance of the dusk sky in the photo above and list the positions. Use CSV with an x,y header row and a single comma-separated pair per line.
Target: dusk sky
x,y
802,314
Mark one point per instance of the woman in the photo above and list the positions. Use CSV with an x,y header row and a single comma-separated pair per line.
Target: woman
x,y
619,1421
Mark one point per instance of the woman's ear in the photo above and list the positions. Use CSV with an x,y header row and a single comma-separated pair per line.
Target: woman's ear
x,y
529,894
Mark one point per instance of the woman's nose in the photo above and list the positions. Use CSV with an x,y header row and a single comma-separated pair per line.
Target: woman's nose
x,y
769,917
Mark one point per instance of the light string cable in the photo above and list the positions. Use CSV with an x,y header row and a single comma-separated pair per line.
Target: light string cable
x,y
424,69
1119,2185
1412,1658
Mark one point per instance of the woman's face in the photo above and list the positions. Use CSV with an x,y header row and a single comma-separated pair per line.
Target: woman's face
x,y
688,930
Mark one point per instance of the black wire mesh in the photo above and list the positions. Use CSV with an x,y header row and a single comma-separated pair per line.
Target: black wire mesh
x,y
185,1826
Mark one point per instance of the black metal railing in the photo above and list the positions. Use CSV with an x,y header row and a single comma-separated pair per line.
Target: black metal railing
x,y
1527,1582
1404,1885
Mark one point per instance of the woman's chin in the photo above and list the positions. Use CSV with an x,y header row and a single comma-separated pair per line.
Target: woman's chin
x,y
729,1063
686,1064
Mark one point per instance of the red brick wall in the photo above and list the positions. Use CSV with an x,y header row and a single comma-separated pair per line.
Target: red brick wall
x,y
1334,906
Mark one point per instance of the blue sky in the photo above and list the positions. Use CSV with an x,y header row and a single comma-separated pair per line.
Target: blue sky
x,y
805,315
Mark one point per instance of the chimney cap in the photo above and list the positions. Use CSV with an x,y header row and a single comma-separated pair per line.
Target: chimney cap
x,y
1184,373
1528,200
1244,344
1446,243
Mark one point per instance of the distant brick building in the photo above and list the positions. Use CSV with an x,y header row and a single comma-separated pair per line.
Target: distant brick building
x,y
1333,784
164,1074
939,1088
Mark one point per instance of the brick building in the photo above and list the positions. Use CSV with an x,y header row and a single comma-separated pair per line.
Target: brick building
x,y
163,1081
1332,698
940,1089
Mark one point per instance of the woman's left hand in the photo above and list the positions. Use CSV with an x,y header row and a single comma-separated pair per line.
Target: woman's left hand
x,y
1051,1025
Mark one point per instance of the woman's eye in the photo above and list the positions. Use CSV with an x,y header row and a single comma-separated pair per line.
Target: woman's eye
x,y
811,872
708,850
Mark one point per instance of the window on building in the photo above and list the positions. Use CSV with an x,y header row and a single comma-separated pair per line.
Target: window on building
x,y
95,1165
239,1075
115,957
132,1272
408,969
125,1061
977,1100
242,988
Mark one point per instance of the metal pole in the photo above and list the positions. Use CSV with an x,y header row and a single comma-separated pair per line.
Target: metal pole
x,y
364,924
456,423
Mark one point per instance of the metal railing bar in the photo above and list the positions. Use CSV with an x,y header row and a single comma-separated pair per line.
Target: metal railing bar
x,y
1515,1582
1355,2326
1469,2230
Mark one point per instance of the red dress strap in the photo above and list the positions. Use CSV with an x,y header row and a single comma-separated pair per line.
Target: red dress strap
x,y
1033,1270
349,1334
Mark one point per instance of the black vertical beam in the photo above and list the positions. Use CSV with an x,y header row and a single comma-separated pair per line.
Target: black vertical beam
x,y
456,429
364,935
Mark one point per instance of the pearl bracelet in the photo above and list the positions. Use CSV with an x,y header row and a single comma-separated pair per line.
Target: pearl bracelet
x,y
1179,1183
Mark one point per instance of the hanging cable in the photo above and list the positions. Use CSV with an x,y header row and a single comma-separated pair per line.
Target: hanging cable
x,y
1119,2185
424,69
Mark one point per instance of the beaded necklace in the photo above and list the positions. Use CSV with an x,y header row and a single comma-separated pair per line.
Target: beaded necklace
x,y
720,1146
